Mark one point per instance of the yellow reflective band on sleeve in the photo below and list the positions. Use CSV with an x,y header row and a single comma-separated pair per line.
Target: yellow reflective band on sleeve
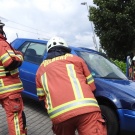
x,y
45,87
5,57
2,68
2,71
20,57
40,92
10,88
15,71
2,74
71,106
1,83
16,124
74,81
89,79
11,52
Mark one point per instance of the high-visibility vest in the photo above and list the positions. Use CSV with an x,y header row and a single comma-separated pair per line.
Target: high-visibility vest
x,y
67,85
9,80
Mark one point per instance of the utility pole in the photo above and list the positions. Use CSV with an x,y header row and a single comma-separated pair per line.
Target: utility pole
x,y
94,37
17,35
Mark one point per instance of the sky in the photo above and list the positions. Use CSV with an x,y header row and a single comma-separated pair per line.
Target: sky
x,y
43,19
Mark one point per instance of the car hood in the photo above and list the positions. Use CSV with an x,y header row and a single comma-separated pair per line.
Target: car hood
x,y
124,86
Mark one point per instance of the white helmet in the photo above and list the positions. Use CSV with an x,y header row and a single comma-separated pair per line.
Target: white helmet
x,y
56,41
133,58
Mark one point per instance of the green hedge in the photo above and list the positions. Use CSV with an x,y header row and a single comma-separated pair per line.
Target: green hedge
x,y
120,64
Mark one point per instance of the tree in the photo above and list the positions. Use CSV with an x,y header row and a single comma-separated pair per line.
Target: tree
x,y
114,22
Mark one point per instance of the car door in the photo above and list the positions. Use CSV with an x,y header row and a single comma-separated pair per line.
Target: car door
x,y
33,56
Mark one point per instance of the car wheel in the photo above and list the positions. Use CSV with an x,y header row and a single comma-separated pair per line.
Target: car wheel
x,y
111,120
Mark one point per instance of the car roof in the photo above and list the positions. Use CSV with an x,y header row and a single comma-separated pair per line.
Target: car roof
x,y
45,42
31,39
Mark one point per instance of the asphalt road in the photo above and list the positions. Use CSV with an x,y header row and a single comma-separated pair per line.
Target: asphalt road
x,y
38,122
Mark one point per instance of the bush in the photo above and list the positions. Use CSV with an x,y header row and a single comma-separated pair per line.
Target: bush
x,y
121,65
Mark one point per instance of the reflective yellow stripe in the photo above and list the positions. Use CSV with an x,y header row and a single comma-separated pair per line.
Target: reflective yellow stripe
x,y
1,83
74,81
10,52
16,124
5,57
20,57
14,72
45,87
63,57
71,106
10,88
40,92
89,79
3,73
2,68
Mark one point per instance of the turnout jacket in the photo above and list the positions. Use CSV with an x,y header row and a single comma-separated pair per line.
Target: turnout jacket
x,y
9,80
66,85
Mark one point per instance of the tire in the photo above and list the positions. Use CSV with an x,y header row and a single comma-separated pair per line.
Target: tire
x,y
111,120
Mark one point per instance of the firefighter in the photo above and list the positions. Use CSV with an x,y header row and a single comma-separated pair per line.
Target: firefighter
x,y
11,86
66,85
133,68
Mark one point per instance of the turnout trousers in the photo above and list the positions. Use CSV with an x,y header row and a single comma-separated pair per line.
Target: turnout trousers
x,y
86,124
13,106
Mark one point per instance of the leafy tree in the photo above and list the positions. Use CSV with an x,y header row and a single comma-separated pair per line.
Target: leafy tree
x,y
121,65
114,22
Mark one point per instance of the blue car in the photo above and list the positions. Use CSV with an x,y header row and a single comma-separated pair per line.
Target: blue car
x,y
115,93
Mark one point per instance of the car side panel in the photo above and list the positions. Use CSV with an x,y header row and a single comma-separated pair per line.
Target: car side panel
x,y
27,75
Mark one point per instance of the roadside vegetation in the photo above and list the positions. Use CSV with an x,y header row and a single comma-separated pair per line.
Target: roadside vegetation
x,y
114,24
120,64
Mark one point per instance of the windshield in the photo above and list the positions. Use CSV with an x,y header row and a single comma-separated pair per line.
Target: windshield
x,y
101,67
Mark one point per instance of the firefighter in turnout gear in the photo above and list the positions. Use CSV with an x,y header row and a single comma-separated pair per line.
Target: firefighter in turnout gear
x,y
66,85
132,69
11,86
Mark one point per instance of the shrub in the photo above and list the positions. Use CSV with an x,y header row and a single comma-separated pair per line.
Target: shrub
x,y
120,64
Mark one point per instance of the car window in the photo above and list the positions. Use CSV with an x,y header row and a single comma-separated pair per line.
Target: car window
x,y
101,67
33,52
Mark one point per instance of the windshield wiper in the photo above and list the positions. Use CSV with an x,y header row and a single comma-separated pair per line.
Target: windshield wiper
x,y
110,78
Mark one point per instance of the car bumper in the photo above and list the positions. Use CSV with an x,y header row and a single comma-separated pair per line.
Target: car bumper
x,y
127,120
